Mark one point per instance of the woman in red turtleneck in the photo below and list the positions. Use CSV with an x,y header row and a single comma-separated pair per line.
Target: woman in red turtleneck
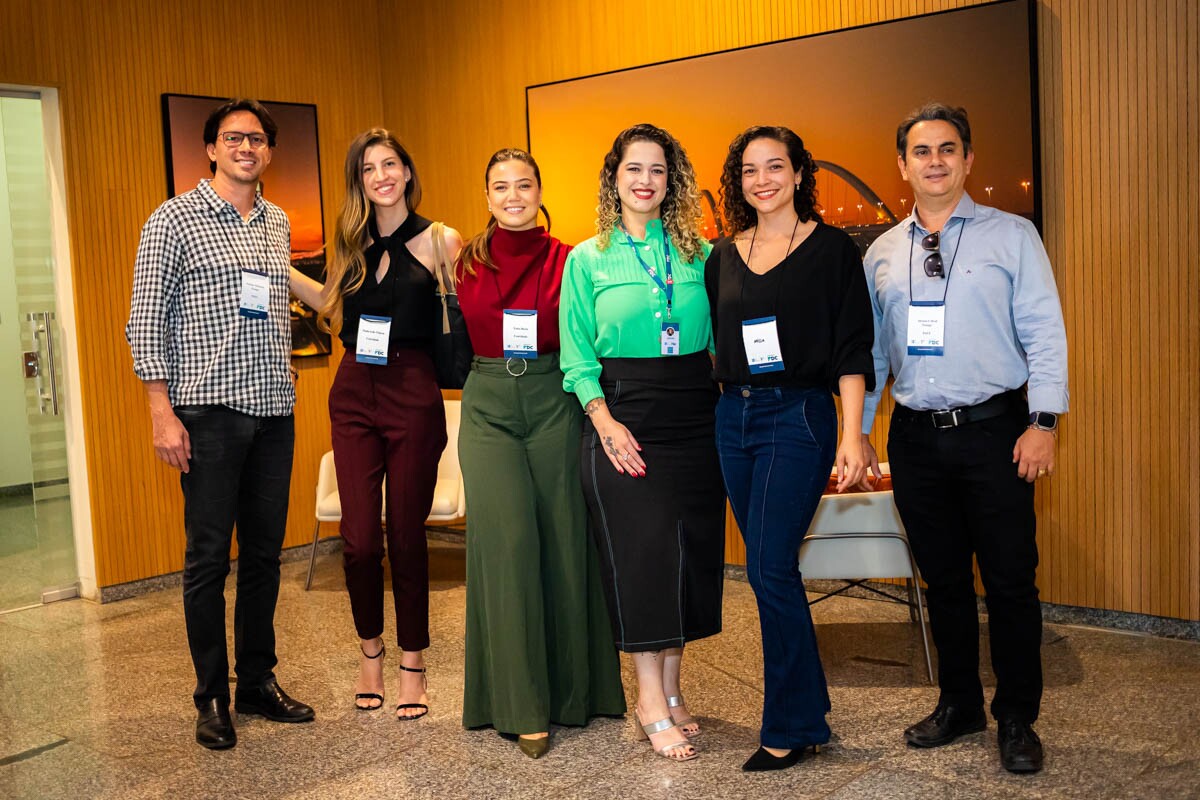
x,y
538,646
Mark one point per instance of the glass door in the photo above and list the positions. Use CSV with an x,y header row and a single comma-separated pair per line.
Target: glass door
x,y
37,550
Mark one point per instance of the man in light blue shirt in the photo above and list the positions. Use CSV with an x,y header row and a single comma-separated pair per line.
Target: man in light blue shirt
x,y
968,321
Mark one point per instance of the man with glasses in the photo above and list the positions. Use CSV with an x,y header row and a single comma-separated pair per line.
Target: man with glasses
x,y
968,322
210,334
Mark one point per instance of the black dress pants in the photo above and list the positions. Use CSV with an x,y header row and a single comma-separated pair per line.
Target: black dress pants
x,y
959,495
240,473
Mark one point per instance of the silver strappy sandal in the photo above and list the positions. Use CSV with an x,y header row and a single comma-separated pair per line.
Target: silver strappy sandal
x,y
665,724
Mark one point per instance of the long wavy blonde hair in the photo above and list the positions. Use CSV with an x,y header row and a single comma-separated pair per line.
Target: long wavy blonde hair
x,y
347,268
680,210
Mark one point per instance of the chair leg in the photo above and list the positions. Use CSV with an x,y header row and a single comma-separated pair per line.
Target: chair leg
x,y
924,632
915,588
912,599
312,558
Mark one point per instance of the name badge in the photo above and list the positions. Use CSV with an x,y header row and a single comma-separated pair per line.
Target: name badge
x,y
520,333
373,336
761,340
926,328
670,339
256,294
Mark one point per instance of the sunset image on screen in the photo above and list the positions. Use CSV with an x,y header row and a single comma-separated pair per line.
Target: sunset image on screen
x,y
843,92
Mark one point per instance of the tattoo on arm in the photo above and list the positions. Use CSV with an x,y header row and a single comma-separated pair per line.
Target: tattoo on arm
x,y
593,406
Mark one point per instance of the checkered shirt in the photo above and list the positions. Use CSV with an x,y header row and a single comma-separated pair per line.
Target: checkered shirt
x,y
184,326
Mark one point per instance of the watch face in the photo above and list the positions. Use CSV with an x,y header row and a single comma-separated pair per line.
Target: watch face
x,y
1043,419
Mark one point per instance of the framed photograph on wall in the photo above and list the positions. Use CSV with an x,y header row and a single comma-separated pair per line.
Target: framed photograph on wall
x,y
292,182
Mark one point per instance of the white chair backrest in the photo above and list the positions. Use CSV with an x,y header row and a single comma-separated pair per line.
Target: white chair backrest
x,y
866,512
448,466
328,507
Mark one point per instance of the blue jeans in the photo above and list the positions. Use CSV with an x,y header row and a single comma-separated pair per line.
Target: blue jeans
x,y
240,472
777,447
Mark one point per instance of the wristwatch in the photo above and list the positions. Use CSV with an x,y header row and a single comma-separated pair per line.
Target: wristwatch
x,y
1043,421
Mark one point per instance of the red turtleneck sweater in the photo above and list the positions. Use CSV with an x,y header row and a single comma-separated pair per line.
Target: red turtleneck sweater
x,y
530,276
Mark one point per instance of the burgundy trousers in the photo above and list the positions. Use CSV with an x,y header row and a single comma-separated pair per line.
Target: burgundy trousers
x,y
387,421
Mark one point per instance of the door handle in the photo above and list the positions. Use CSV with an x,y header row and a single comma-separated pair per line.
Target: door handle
x,y
41,325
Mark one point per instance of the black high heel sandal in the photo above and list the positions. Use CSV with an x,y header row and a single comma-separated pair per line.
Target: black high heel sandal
x,y
424,687
370,695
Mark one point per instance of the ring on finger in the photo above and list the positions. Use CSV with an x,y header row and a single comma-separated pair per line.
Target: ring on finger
x,y
1041,472
624,456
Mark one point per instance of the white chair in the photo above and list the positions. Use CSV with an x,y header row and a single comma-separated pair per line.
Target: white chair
x,y
857,537
449,497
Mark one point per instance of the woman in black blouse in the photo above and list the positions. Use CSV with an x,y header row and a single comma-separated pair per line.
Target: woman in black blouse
x,y
385,410
792,323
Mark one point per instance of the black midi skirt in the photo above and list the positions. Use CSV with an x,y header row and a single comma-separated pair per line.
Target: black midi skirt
x,y
661,537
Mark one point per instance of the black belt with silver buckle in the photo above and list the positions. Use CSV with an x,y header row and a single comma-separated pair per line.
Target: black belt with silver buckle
x,y
953,417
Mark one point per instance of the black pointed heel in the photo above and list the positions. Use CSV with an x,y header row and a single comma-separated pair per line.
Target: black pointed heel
x,y
764,761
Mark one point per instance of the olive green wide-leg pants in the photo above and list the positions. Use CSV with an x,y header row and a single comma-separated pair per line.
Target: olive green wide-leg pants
x,y
538,642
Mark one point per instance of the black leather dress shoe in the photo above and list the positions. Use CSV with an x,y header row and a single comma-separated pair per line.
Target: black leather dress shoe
x,y
214,726
944,725
1020,747
271,702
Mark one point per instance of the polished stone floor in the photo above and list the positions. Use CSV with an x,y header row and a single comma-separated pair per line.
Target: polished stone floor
x,y
36,548
95,702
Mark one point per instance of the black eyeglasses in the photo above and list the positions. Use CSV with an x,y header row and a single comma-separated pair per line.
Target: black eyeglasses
x,y
933,261
235,139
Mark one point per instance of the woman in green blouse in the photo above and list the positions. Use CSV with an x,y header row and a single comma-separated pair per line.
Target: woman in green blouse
x,y
634,319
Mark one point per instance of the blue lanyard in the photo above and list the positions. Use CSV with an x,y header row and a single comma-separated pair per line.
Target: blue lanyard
x,y
668,288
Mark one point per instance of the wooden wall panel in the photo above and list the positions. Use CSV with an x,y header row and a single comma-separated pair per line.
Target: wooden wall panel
x,y
1119,87
110,62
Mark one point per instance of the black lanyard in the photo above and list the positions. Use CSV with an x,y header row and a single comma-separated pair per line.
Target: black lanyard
x,y
668,287
779,284
912,237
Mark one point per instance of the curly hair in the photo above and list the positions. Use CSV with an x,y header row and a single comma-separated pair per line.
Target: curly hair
x,y
737,210
348,267
680,210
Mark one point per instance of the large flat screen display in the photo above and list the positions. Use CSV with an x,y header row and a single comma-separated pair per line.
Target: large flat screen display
x,y
843,92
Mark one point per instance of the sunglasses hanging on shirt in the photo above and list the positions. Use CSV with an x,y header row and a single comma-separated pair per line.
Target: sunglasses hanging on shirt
x,y
933,261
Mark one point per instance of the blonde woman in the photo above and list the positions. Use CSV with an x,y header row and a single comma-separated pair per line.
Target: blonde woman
x,y
635,336
385,408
